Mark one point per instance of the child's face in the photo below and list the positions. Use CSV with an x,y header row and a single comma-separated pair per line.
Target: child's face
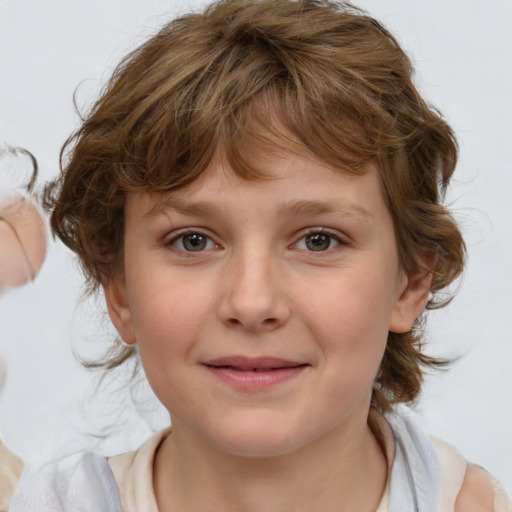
x,y
262,309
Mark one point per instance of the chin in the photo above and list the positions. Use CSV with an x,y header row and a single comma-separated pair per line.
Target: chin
x,y
259,439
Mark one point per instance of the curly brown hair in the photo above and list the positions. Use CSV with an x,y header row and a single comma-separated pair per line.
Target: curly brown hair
x,y
315,76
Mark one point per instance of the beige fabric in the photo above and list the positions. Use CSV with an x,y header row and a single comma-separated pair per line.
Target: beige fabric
x,y
133,472
453,469
10,472
502,502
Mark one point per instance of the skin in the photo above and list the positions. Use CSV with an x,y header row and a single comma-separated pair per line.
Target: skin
x,y
476,494
23,242
257,289
14,268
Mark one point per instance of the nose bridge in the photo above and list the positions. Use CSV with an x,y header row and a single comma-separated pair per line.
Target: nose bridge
x,y
253,295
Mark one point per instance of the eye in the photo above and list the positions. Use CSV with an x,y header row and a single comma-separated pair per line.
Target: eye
x,y
318,241
192,242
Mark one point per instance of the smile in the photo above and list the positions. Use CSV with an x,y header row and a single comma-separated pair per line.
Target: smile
x,y
254,374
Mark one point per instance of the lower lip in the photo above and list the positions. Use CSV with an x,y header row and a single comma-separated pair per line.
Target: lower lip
x,y
255,381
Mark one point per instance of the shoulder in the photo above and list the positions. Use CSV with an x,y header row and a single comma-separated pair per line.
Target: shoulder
x,y
476,493
481,493
467,487
462,487
81,482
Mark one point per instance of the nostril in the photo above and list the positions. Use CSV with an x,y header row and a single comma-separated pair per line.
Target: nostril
x,y
265,323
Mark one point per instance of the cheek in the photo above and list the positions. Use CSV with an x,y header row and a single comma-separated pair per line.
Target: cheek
x,y
168,318
349,318
166,329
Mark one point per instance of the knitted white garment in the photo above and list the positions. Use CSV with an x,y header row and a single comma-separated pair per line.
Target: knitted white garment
x,y
416,479
85,482
78,483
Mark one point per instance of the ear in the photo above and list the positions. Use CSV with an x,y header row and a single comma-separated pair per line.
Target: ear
x,y
414,292
118,306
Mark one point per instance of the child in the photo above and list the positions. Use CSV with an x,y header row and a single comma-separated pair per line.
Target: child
x,y
258,193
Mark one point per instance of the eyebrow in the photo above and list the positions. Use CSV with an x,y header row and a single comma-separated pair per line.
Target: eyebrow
x,y
177,205
290,209
306,207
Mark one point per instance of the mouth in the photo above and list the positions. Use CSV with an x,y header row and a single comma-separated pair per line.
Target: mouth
x,y
254,374
247,364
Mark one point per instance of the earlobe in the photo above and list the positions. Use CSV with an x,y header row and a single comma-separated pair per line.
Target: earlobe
x,y
118,307
413,297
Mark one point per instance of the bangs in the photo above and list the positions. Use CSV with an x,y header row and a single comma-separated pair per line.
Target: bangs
x,y
241,91
274,120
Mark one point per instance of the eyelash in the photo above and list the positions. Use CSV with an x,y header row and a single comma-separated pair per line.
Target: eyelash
x,y
181,236
332,235
211,244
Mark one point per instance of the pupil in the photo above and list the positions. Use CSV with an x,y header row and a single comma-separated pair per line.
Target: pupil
x,y
318,242
194,242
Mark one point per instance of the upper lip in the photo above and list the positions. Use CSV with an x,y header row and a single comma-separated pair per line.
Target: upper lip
x,y
252,363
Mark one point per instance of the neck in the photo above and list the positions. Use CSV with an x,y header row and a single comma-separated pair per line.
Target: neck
x,y
338,472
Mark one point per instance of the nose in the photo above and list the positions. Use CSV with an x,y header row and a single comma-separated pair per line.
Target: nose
x,y
253,297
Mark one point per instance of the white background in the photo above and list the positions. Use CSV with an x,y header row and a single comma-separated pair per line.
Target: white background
x,y
463,53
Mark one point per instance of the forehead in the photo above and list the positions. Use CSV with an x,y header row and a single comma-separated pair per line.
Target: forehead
x,y
285,183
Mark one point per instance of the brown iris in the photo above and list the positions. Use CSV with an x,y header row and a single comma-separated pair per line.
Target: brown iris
x,y
194,242
318,242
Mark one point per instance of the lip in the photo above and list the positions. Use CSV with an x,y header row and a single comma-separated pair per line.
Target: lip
x,y
254,374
